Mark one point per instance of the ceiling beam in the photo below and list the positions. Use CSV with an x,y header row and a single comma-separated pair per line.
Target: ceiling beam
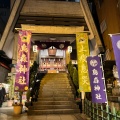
x,y
19,26
53,29
25,17
71,23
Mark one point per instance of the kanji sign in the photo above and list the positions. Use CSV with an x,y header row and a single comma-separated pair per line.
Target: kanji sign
x,y
116,48
82,53
96,79
23,62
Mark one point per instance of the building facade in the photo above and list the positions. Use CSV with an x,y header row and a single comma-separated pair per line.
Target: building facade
x,y
109,19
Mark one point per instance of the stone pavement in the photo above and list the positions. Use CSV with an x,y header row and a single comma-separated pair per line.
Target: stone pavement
x,y
6,113
40,117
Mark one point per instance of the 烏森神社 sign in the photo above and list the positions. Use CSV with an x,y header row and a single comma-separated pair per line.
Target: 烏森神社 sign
x,y
97,82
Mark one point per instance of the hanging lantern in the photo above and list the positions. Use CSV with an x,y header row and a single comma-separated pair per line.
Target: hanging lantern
x,y
69,49
34,48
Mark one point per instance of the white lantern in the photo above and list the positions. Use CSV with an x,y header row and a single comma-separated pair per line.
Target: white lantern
x,y
69,49
34,48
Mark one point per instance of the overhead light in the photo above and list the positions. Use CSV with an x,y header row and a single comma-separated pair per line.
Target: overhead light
x,y
52,38
30,20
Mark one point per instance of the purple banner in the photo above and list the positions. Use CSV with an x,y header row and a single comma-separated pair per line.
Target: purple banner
x,y
96,80
116,47
23,61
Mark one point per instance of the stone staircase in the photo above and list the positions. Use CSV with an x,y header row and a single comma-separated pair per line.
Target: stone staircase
x,y
55,96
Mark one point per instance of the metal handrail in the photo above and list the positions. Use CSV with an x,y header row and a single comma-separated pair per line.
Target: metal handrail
x,y
96,111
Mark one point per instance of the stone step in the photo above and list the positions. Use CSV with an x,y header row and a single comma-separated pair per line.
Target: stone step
x,y
56,99
55,89
53,111
63,74
55,77
55,92
55,82
56,85
55,95
53,103
44,107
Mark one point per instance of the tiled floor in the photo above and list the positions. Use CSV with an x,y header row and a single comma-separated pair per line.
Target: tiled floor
x,y
6,113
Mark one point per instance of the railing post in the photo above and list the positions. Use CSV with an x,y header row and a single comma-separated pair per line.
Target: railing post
x,y
89,108
102,115
93,115
83,106
107,111
114,113
97,117
89,105
86,106
83,98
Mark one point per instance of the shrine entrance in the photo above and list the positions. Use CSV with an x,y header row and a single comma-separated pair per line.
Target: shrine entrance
x,y
53,55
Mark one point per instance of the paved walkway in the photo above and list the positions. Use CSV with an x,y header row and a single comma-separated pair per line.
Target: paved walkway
x,y
6,113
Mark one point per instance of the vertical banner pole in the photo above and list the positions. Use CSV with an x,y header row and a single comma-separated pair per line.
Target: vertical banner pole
x,y
83,97
103,78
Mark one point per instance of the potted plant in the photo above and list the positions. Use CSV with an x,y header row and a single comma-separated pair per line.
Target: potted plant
x,y
28,102
17,106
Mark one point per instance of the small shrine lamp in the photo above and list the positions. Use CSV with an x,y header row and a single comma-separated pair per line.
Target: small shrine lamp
x,y
34,48
69,49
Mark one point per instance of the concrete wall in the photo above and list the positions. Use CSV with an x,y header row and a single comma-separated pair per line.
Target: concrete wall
x,y
56,8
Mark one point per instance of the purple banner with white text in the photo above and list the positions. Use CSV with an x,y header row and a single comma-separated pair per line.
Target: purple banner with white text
x,y
116,48
96,79
23,61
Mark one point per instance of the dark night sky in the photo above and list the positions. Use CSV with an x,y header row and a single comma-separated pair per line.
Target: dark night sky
x,y
4,3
